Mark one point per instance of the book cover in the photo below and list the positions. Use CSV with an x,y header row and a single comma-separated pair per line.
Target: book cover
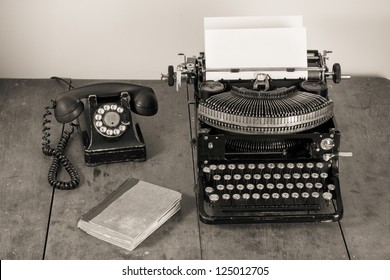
x,y
131,213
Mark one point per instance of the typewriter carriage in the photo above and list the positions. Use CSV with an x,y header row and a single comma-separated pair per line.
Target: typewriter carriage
x,y
218,146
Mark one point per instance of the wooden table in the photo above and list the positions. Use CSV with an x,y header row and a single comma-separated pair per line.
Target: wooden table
x,y
38,222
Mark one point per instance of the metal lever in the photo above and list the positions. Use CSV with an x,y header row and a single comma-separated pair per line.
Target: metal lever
x,y
327,157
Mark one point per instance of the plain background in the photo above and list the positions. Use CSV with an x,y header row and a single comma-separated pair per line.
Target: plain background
x,y
138,39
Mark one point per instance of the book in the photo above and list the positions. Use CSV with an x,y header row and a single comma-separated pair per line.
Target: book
x,y
131,213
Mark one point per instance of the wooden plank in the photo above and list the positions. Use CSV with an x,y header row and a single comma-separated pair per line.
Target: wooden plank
x,y
24,194
168,164
363,113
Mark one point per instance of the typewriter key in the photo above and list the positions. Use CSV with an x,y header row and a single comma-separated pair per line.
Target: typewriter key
x,y
296,176
217,177
271,165
250,187
295,195
246,196
255,196
270,186
275,195
300,185
281,165
232,166
267,176
247,177
237,177
236,196
324,175
222,167
319,165
206,169
214,197
240,187
310,165
300,165
251,166
213,167
290,165
327,196
241,167
318,186
309,185
260,187
209,190
261,166
315,175
279,186
256,176
287,176
285,195
220,187
230,187
315,194
289,186
305,195
277,176
305,175
227,177
265,196
331,187
225,196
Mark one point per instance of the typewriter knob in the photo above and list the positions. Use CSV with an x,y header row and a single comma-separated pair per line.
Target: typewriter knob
x,y
171,74
336,73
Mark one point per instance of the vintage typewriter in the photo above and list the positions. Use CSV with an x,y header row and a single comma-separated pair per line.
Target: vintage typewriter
x,y
267,150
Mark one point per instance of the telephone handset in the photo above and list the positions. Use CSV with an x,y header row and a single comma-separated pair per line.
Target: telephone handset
x,y
105,120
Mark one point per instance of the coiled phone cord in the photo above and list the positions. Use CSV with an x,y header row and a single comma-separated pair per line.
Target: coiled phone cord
x,y
59,158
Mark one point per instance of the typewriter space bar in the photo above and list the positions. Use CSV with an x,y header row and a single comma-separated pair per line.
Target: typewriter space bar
x,y
270,208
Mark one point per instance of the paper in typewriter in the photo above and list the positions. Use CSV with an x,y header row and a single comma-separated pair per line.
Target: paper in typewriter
x,y
255,42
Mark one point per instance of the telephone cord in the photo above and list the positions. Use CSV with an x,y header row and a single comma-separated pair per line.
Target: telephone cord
x,y
59,158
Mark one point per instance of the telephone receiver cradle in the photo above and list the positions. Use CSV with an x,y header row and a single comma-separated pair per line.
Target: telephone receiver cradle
x,y
108,131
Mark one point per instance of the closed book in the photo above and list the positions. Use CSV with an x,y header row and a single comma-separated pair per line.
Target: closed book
x,y
131,213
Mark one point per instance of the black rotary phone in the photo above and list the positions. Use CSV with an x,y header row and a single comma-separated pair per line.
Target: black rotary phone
x,y
108,132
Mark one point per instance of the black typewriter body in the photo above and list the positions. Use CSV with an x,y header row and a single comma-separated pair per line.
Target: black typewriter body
x,y
256,162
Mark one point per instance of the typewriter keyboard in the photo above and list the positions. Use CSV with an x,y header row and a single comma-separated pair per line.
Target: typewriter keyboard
x,y
268,186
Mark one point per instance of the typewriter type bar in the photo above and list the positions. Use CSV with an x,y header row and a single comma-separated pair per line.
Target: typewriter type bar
x,y
267,150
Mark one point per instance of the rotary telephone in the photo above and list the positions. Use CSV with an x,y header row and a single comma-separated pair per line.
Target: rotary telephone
x,y
105,121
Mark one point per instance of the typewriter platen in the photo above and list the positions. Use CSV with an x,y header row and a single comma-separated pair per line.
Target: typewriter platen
x,y
267,150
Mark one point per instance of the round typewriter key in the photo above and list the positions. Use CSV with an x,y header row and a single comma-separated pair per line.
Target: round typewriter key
x,y
287,176
290,165
279,186
225,196
305,195
270,186
230,187
247,176
209,190
222,167
236,177
327,196
240,187
260,187
256,176
213,167
267,176
220,187
318,186
217,177
331,187
319,165
289,186
265,196
285,195
277,176
281,165
310,165
236,196
261,166
246,196
251,166
300,185
324,175
315,175
106,107
271,165
241,166
227,177
206,169
295,195
309,185
315,194
250,187
255,196
300,165
305,175
296,176
275,195
232,166
214,197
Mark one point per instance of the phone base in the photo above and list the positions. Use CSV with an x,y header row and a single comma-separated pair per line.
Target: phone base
x,y
115,155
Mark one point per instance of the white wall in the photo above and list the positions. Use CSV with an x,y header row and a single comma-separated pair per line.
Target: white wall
x,y
138,39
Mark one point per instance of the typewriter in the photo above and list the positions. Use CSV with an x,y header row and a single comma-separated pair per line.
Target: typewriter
x,y
266,150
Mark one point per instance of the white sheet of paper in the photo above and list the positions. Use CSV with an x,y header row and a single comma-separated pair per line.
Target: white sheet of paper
x,y
233,48
252,22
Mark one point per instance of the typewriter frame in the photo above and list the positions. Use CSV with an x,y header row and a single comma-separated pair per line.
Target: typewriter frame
x,y
209,142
